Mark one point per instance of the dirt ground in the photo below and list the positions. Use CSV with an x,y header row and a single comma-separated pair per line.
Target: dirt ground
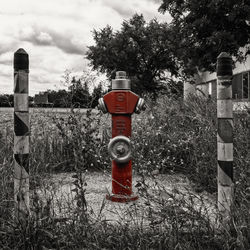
x,y
98,184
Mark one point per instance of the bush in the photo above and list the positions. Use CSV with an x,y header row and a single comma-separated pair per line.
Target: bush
x,y
173,136
68,142
178,137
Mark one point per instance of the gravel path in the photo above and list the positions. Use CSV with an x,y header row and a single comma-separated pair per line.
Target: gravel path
x,y
60,187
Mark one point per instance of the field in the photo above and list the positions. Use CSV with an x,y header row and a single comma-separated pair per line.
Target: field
x,y
174,163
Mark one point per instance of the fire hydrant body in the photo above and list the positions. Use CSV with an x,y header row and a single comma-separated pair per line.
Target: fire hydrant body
x,y
121,103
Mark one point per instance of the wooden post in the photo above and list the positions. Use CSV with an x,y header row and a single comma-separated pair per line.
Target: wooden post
x,y
21,134
225,135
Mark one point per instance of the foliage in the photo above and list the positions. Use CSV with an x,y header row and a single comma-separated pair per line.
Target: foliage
x,y
144,50
172,136
59,98
177,137
206,28
96,94
181,137
80,141
71,142
6,100
83,92
79,92
79,89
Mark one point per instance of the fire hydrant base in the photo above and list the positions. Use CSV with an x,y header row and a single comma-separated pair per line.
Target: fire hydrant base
x,y
121,198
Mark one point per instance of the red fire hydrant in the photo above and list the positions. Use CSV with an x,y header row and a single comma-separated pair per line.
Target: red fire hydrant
x,y
121,103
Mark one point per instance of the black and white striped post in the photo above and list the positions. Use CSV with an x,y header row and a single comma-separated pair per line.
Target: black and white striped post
x,y
21,133
225,134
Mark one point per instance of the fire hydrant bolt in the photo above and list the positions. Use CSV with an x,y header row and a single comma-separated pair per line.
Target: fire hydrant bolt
x,y
120,149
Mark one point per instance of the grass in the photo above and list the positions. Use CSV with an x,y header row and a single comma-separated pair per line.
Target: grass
x,y
170,137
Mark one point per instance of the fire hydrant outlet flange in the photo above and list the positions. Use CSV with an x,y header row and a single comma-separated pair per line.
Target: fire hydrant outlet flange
x,y
140,106
101,105
120,149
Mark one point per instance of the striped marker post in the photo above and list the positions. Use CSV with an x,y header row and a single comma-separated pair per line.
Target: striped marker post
x,y
225,134
21,134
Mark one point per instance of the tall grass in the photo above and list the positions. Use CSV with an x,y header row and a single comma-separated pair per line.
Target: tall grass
x,y
174,136
170,137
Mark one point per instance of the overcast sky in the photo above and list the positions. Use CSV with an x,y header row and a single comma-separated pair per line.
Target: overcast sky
x,y
56,33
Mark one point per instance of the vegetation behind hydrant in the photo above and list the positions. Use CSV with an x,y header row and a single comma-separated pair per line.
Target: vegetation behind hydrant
x,y
170,137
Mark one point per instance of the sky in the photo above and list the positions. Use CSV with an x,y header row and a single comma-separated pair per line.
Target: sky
x,y
56,33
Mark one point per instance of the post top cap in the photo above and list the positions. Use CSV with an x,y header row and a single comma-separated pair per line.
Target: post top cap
x,y
21,60
223,54
120,74
20,51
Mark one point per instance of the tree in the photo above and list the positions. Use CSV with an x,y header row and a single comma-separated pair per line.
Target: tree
x,y
204,28
96,94
6,100
60,98
79,87
144,50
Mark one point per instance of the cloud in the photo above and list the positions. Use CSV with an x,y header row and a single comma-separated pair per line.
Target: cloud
x,y
68,43
124,9
56,34
149,8
6,58
35,36
6,71
6,43
44,38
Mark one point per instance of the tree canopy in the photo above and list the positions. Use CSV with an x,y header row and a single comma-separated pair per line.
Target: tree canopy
x,y
144,50
199,31
208,27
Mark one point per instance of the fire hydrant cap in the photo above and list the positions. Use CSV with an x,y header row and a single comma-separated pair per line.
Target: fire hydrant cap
x,y
120,149
121,81
120,74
